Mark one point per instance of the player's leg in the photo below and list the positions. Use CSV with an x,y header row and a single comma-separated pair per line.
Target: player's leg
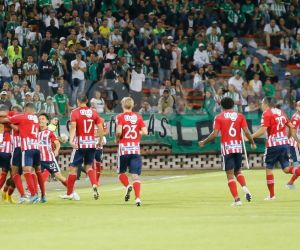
x,y
271,157
240,177
38,171
97,165
53,168
27,163
11,189
45,174
295,156
16,172
35,181
229,162
76,161
89,157
122,162
135,169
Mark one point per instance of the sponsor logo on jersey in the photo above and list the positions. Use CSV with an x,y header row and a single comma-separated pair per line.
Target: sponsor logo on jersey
x,y
231,115
276,111
131,118
86,112
33,118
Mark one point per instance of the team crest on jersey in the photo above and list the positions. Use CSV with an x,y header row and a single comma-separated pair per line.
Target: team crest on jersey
x,y
231,115
276,111
86,112
33,118
131,118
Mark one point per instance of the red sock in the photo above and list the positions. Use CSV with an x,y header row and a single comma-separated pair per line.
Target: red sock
x,y
233,188
124,179
18,182
2,178
45,175
71,181
10,191
41,182
91,174
241,179
35,183
5,189
270,183
292,170
30,183
98,172
137,188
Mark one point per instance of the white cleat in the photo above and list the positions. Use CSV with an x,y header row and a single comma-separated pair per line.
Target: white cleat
x,y
270,198
23,200
237,203
138,202
76,197
73,196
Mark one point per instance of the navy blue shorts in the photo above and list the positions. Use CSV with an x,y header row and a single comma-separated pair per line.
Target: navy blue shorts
x,y
16,159
5,161
51,166
277,154
98,155
81,156
132,162
31,158
233,161
294,154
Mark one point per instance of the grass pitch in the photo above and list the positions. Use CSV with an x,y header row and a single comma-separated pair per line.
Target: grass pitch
x,y
181,211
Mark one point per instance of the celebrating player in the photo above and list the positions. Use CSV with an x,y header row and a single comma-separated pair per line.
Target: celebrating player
x,y
130,128
294,148
230,123
274,122
28,130
49,149
82,139
5,156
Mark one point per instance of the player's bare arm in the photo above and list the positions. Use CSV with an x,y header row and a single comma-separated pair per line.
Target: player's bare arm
x,y
72,135
292,132
249,137
119,130
14,127
56,147
100,133
210,138
4,119
261,131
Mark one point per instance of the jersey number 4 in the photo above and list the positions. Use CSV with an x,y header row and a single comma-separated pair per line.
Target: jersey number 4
x,y
130,132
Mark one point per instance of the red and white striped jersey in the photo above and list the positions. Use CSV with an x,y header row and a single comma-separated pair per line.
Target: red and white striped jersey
x,y
46,145
230,123
16,139
85,119
131,123
6,147
28,130
276,122
295,120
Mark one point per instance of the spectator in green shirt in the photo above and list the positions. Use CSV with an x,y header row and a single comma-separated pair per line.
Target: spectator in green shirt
x,y
61,103
269,88
237,19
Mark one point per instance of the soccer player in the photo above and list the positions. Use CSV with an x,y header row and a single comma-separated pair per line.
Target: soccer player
x,y
294,148
28,130
82,139
274,122
49,146
230,124
5,156
130,128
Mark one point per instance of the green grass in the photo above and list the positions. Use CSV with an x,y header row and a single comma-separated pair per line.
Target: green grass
x,y
192,212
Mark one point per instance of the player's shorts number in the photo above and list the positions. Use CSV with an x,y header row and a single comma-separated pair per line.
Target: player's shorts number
x,y
232,130
130,132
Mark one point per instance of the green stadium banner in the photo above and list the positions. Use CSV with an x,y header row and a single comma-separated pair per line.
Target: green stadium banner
x,y
180,132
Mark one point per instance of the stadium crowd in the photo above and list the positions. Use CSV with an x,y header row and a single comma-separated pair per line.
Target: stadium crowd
x,y
175,56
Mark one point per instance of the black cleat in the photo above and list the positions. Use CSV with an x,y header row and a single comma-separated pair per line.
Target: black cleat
x,y
96,194
248,197
128,191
